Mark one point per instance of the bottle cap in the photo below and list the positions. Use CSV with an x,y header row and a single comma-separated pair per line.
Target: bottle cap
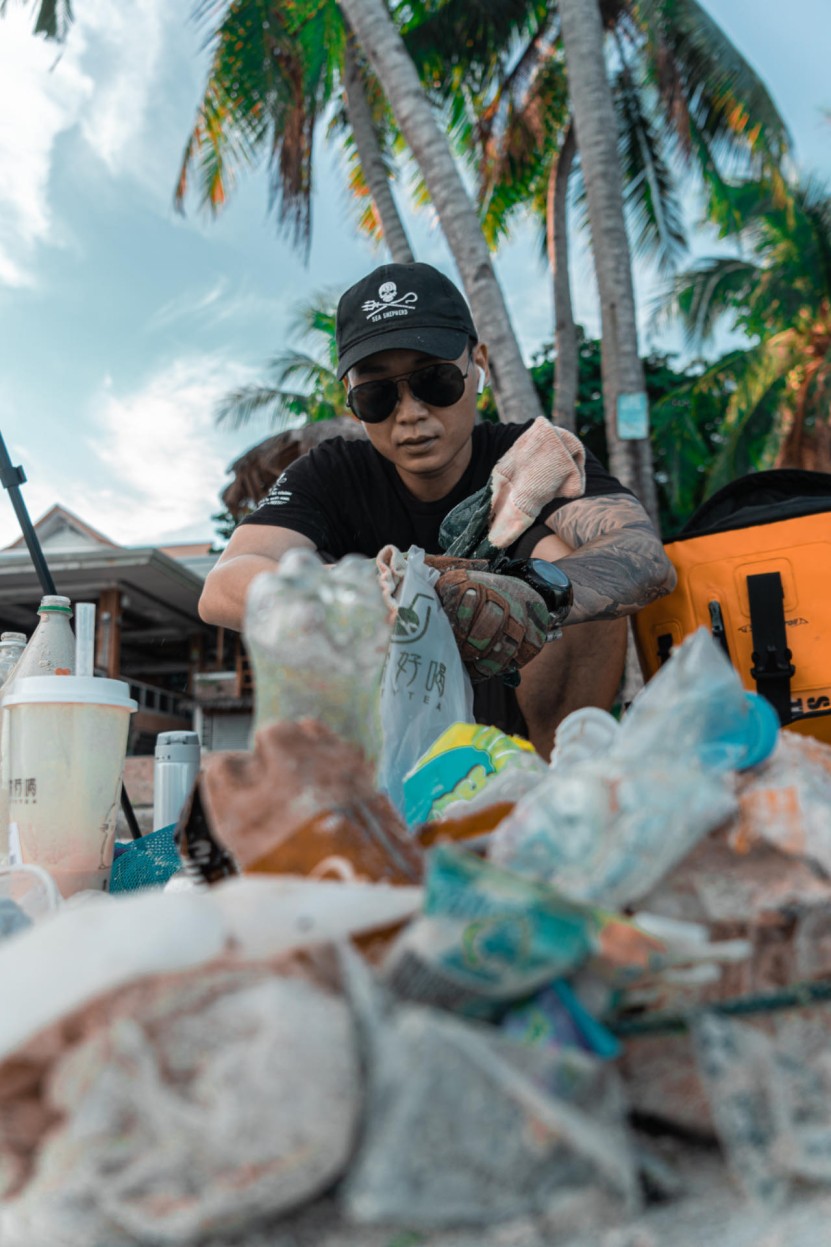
x,y
13,638
178,747
762,731
55,602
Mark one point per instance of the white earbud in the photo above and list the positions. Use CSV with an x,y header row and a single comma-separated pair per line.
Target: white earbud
x,y
480,385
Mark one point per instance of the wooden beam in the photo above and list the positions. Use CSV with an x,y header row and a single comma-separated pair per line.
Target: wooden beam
x,y
108,640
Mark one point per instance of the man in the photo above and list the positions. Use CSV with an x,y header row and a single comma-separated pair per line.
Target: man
x,y
412,364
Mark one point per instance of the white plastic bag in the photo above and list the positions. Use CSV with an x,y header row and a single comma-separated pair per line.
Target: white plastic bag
x,y
424,687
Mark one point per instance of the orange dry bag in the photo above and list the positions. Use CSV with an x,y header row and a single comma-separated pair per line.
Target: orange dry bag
x,y
754,566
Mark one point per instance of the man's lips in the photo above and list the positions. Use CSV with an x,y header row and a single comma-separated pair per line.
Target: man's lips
x,y
416,443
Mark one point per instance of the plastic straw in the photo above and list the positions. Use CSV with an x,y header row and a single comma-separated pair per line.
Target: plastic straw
x,y
84,638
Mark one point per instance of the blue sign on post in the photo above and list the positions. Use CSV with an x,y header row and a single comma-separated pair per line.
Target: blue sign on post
x,y
632,416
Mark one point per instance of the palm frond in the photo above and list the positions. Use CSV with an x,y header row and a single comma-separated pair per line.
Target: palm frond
x,y
304,370
748,433
456,42
690,58
715,287
649,188
52,20
273,71
250,402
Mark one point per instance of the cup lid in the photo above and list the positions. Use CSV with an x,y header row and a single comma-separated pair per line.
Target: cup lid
x,y
85,690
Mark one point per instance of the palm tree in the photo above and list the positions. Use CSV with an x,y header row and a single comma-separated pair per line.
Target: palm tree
x,y
594,116
381,41
684,97
778,292
275,70
303,386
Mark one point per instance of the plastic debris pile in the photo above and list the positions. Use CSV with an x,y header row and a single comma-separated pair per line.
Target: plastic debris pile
x,y
498,1013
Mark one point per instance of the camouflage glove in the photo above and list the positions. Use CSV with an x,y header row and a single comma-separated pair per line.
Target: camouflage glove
x,y
500,623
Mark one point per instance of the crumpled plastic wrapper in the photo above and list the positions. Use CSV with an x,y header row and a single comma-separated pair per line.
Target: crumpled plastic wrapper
x,y
786,802
304,802
770,1095
173,1065
605,832
467,1126
178,1104
318,636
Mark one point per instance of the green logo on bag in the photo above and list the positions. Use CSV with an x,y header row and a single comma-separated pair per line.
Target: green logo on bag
x,y
412,620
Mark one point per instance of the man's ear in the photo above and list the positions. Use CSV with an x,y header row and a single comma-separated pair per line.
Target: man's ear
x,y
480,359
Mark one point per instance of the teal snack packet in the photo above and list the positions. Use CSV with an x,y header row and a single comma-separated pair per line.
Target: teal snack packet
x,y
487,936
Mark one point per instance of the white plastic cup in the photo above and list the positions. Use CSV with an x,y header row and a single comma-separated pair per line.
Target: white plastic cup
x,y
67,742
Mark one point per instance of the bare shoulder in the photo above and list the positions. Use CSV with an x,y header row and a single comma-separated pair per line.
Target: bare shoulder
x,y
267,540
585,519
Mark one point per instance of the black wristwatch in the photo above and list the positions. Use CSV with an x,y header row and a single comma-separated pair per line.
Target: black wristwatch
x,y
549,581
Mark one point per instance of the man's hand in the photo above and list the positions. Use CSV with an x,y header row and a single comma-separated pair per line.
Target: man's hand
x,y
500,623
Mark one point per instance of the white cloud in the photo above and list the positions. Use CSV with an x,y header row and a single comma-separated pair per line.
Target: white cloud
x,y
218,304
101,82
155,463
164,457
124,44
39,99
189,305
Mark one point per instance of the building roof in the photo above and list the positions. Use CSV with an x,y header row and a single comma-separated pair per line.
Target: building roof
x,y
165,590
160,586
60,528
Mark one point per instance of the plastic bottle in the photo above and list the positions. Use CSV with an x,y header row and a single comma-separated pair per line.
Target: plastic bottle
x,y
317,637
51,648
695,707
176,766
50,651
12,645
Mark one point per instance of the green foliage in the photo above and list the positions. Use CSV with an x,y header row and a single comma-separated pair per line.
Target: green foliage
x,y
778,293
302,386
686,421
274,69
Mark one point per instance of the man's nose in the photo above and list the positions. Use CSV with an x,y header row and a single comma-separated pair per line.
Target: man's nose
x,y
410,408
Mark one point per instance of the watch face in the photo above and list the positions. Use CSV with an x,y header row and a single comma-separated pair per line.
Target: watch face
x,y
549,575
552,584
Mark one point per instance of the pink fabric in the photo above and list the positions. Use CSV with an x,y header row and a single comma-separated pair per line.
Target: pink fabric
x,y
545,463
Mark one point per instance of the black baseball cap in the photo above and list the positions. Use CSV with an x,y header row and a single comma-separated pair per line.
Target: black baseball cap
x,y
409,306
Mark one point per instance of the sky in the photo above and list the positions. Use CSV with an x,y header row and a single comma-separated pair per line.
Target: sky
x,y
122,322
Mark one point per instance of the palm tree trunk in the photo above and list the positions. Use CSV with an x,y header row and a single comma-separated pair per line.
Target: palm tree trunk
x,y
594,117
515,395
368,148
564,411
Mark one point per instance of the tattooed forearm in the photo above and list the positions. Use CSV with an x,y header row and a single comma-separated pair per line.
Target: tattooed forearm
x,y
618,564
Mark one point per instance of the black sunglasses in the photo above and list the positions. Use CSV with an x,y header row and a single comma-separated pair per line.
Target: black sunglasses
x,y
438,385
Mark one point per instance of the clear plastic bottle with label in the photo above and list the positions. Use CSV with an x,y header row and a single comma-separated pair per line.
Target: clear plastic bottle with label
x,y
50,651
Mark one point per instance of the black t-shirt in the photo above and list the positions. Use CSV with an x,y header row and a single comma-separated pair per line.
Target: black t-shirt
x,y
348,499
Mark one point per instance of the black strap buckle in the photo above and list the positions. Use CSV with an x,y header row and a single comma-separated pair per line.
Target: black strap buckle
x,y
772,667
